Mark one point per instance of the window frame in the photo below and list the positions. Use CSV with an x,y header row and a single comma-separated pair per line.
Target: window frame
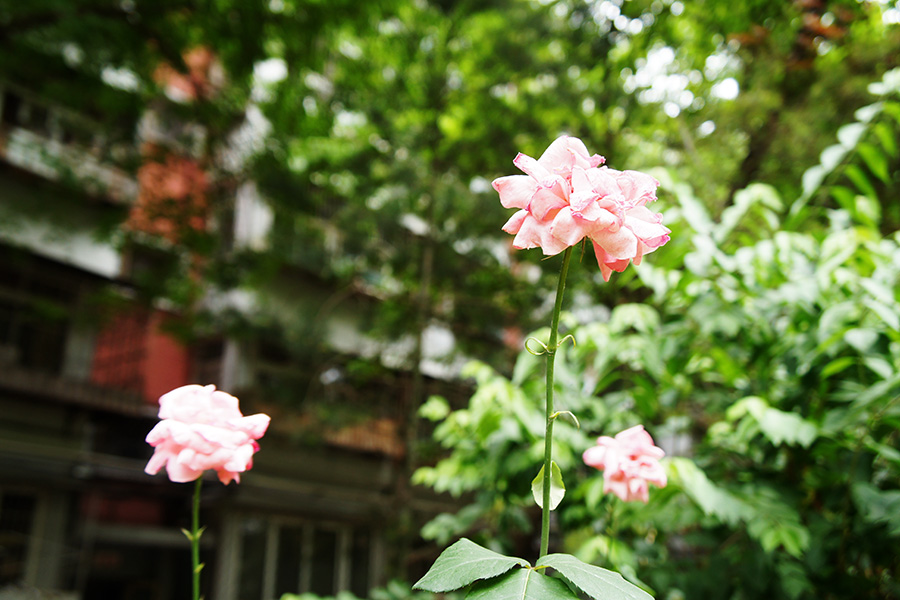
x,y
230,576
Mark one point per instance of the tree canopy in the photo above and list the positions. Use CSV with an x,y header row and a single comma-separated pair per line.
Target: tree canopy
x,y
765,333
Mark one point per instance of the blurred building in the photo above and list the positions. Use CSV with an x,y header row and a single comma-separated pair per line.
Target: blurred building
x,y
84,357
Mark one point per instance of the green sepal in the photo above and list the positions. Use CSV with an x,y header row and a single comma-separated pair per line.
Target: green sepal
x,y
463,563
557,487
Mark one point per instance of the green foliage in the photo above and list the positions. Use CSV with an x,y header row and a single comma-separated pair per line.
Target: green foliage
x,y
495,577
522,584
394,590
386,137
864,162
878,506
593,581
464,563
762,341
751,416
765,361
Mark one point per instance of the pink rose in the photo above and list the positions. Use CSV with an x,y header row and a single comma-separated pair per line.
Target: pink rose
x,y
566,196
629,462
203,428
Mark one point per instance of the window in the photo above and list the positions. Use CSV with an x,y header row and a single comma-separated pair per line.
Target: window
x,y
323,574
16,522
289,574
360,551
289,556
39,303
12,104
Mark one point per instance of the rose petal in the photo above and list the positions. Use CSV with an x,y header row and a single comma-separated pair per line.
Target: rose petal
x,y
566,196
620,245
546,200
567,228
639,187
566,152
595,456
532,167
515,190
515,222
203,428
645,230
629,462
537,234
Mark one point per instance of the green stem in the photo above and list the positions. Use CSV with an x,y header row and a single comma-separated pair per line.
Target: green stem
x,y
195,539
548,437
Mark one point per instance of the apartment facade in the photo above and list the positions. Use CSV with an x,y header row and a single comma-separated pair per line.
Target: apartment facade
x,y
84,357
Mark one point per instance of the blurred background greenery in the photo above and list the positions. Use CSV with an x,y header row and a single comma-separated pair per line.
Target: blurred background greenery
x,y
760,346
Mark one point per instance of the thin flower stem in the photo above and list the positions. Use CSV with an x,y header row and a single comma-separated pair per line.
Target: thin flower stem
x,y
548,437
195,539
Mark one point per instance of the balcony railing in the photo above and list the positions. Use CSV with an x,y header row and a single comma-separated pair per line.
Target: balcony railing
x,y
58,144
122,367
41,384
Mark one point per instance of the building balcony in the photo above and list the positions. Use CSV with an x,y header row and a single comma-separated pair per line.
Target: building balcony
x,y
57,144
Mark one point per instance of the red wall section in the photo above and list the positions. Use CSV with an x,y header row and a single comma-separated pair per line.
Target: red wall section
x,y
125,509
119,352
167,361
133,352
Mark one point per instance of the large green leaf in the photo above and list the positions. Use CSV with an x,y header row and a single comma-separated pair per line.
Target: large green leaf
x,y
812,179
596,582
711,499
887,314
774,522
462,563
886,137
640,317
878,506
876,160
850,135
860,180
521,584
778,426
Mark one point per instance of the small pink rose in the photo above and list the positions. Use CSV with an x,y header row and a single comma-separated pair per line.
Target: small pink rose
x,y
202,428
565,196
629,462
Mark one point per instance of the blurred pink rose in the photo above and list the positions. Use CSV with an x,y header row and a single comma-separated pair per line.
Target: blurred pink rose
x,y
203,428
566,196
629,462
